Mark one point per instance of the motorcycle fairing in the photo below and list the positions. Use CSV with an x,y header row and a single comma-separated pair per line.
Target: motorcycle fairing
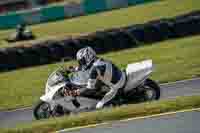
x,y
48,96
137,73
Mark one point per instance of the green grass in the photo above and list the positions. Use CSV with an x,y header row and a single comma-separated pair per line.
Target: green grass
x,y
116,18
137,110
173,59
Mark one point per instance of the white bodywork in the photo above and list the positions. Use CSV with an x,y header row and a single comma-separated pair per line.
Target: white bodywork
x,y
136,73
48,96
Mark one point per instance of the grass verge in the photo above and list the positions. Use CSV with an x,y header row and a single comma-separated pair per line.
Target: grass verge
x,y
116,18
173,59
118,113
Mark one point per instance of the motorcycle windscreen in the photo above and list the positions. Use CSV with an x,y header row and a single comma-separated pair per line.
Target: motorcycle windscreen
x,y
55,78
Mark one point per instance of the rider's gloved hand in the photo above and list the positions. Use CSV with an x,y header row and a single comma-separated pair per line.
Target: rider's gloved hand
x,y
73,68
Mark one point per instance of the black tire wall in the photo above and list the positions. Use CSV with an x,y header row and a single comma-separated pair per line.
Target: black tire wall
x,y
102,41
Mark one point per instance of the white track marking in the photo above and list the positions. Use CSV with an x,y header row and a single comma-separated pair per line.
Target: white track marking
x,y
129,119
180,81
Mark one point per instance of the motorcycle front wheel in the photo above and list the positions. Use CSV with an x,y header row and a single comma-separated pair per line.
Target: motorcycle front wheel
x,y
42,110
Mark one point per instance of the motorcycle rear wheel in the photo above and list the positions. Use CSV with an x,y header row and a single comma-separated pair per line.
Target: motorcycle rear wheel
x,y
151,90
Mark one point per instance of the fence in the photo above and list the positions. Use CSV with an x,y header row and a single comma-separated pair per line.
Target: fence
x,y
68,10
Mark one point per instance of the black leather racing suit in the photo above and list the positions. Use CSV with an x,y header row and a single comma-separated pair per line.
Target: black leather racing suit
x,y
110,75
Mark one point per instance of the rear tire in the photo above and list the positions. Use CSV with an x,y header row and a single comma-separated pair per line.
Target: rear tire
x,y
151,90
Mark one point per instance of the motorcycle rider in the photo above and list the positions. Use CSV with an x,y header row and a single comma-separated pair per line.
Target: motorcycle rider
x,y
20,31
100,70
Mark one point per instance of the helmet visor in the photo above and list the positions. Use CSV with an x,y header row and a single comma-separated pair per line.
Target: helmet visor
x,y
82,62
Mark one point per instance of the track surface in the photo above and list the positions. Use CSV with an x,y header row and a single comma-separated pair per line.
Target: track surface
x,y
187,122
171,90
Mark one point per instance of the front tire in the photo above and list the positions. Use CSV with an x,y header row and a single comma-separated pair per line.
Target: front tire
x,y
42,110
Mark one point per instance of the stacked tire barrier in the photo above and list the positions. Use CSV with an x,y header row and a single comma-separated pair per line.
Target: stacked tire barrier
x,y
102,41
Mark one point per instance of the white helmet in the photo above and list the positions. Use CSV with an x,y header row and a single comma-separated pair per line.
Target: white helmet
x,y
86,56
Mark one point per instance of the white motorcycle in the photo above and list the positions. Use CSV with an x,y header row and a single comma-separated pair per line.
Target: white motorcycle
x,y
138,88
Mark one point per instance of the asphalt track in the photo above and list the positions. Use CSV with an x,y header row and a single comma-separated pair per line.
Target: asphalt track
x,y
169,90
185,122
